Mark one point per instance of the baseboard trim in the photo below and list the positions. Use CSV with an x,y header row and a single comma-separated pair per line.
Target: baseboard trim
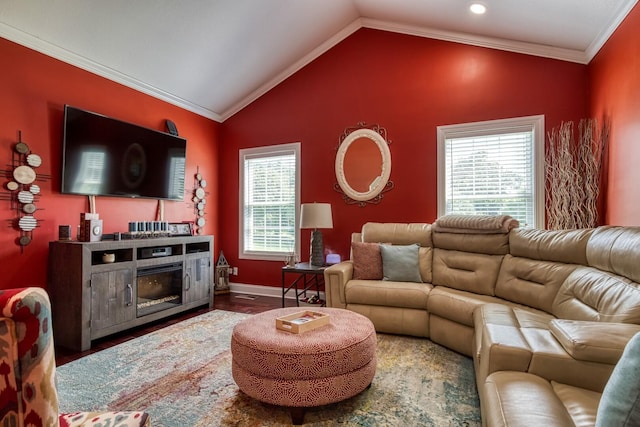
x,y
266,291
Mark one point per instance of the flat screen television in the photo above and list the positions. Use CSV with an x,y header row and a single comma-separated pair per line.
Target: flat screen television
x,y
104,156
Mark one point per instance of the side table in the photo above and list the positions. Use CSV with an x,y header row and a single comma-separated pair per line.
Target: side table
x,y
307,276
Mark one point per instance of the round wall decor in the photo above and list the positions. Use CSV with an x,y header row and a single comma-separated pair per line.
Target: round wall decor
x,y
24,174
29,208
25,197
23,192
199,201
27,223
34,160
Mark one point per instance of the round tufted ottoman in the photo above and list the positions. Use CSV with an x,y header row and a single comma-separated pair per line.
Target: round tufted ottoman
x,y
321,366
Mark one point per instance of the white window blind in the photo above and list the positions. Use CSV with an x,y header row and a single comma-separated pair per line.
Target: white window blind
x,y
491,170
269,201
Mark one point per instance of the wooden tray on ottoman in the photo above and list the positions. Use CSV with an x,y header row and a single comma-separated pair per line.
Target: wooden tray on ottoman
x,y
302,321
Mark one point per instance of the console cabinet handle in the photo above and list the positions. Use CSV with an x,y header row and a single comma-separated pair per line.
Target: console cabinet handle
x,y
129,300
187,281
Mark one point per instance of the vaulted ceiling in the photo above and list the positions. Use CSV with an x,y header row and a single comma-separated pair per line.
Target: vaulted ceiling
x,y
214,57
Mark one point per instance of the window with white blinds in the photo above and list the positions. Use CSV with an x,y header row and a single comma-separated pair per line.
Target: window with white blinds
x,y
493,168
269,186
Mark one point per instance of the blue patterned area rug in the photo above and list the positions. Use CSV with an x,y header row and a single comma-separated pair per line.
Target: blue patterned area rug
x,y
181,375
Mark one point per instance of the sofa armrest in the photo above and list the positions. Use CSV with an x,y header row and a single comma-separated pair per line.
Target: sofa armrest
x,y
30,311
590,341
335,281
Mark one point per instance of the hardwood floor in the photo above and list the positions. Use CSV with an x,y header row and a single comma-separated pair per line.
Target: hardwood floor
x,y
230,302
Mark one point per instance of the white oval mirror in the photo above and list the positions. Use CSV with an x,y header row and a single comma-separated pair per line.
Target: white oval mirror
x,y
363,166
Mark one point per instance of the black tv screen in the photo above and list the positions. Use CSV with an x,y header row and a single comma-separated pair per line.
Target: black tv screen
x,y
103,156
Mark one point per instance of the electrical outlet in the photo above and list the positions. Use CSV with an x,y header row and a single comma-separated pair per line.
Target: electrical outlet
x,y
235,271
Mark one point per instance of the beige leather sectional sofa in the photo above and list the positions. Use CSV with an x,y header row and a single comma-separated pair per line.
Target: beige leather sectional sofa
x,y
545,315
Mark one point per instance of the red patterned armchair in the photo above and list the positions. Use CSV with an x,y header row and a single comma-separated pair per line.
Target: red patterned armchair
x,y
28,395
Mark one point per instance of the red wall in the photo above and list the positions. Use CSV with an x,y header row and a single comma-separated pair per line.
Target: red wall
x,y
407,84
34,90
615,91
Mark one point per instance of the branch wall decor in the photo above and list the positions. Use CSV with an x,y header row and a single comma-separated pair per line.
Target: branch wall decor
x,y
573,171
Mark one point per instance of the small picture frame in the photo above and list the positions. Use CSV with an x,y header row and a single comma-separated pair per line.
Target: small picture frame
x,y
192,226
180,229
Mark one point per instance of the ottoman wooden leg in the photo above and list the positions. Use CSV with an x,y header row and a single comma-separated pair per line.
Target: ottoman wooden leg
x,y
297,415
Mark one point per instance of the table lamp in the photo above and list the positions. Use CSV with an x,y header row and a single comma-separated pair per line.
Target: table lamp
x,y
315,216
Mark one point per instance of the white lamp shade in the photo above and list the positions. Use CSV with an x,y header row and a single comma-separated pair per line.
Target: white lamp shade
x,y
316,215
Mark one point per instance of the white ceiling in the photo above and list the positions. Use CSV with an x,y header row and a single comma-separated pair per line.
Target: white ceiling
x,y
214,57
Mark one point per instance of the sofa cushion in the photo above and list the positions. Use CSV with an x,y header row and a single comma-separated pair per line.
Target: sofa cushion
x,y
389,294
488,224
456,305
601,342
620,402
401,263
99,419
615,249
397,233
367,261
568,246
591,294
582,404
466,271
491,244
531,282
522,399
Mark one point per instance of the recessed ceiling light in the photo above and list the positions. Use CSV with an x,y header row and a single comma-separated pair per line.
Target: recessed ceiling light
x,y
478,8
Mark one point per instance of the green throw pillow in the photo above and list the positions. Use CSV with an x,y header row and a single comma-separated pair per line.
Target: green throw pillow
x,y
620,402
401,263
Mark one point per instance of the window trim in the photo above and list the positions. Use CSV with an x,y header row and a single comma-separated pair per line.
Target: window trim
x,y
534,124
267,151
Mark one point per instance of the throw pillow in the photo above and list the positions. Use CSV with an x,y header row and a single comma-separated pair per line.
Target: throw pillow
x,y
401,263
367,263
620,401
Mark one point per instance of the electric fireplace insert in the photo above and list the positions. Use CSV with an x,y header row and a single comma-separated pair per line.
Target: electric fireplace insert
x,y
158,288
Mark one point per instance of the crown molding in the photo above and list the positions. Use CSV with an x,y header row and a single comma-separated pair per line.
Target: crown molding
x,y
35,43
570,55
602,38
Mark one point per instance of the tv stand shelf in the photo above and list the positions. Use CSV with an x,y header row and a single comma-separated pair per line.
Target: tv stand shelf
x,y
91,299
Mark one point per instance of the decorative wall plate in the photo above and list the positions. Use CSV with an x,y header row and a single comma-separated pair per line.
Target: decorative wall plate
x,y
34,189
34,160
27,223
29,208
21,148
12,186
25,197
24,174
